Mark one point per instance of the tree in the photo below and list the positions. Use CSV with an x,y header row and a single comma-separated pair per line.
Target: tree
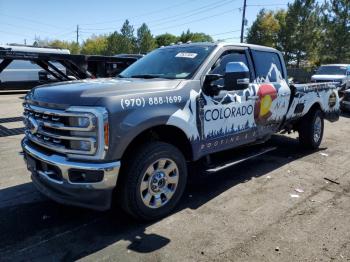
x,y
295,32
264,30
123,42
335,40
117,44
166,39
145,40
127,31
96,45
194,37
73,47
302,31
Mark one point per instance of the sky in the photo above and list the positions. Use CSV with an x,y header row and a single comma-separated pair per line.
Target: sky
x,y
22,21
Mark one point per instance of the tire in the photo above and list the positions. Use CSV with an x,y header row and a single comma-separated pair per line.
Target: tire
x,y
149,190
311,129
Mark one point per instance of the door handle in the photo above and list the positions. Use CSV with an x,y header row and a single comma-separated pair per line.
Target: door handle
x,y
285,94
253,97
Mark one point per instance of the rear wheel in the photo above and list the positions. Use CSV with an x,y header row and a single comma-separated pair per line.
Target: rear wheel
x,y
154,181
311,129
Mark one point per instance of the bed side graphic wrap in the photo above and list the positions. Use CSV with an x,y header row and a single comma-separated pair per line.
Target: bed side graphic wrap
x,y
307,95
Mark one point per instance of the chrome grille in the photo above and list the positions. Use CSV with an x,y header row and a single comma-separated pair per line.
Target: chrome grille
x,y
76,131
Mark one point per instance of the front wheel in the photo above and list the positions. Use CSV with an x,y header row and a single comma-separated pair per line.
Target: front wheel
x,y
311,129
154,181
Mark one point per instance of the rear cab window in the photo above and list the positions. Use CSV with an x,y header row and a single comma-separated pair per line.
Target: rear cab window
x,y
268,67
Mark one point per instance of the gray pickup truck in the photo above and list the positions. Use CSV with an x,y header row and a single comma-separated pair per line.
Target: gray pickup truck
x,y
132,138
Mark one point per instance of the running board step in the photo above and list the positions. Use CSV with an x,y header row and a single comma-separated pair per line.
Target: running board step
x,y
240,159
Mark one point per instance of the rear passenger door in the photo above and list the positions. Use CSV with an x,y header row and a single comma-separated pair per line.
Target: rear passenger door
x,y
273,92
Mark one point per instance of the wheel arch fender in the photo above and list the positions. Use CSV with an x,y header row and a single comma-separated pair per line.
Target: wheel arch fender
x,y
134,126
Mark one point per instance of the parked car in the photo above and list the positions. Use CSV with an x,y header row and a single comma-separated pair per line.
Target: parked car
x,y
339,74
131,138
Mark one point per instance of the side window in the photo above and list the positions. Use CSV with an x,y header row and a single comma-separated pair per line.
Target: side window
x,y
268,67
220,65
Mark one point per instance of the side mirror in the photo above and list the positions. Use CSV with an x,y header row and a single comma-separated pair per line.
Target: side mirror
x,y
209,88
237,76
348,73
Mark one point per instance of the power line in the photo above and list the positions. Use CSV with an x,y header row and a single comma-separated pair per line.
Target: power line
x,y
193,12
208,9
30,20
11,33
24,27
228,32
141,15
269,5
197,20
230,38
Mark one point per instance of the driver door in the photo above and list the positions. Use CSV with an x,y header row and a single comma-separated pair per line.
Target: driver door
x,y
227,119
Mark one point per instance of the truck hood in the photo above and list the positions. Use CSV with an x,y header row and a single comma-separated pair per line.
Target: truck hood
x,y
329,77
89,92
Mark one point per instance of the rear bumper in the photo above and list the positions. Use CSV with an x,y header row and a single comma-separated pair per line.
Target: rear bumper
x,y
59,187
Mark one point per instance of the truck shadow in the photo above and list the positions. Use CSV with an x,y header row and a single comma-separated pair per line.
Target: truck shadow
x,y
34,227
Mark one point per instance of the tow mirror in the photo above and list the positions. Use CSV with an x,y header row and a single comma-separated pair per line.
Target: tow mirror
x,y
237,76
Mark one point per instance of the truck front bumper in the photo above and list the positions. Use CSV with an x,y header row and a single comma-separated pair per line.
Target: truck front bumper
x,y
53,174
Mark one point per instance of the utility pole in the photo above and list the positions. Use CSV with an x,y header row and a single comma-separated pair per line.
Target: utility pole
x,y
243,19
25,41
77,34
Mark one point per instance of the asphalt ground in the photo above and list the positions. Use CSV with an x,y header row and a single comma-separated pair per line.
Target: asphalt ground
x,y
287,205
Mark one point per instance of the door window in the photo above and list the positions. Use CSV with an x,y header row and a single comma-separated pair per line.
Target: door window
x,y
227,57
268,67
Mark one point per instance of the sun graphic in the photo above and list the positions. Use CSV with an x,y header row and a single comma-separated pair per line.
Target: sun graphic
x,y
265,105
267,93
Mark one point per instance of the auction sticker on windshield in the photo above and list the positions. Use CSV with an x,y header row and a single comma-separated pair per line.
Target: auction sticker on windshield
x,y
186,55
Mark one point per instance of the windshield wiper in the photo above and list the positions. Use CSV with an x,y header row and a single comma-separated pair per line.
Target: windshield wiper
x,y
146,76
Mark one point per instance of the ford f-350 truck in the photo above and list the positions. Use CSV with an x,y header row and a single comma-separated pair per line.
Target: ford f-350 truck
x,y
131,138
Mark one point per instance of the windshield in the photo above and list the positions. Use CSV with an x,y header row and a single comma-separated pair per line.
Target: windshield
x,y
170,62
331,70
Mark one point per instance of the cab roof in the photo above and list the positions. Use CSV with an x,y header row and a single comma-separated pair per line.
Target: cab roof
x,y
345,65
224,44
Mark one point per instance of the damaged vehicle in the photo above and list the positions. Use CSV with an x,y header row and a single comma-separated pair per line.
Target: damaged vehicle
x,y
131,139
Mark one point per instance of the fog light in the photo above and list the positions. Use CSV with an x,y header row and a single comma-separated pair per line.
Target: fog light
x,y
81,145
85,176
